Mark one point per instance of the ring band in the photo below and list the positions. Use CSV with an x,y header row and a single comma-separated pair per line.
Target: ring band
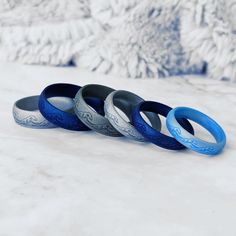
x,y
150,133
88,116
126,101
66,119
26,113
188,139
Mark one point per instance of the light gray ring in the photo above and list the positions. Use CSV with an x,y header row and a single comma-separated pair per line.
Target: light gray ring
x,y
27,114
88,116
126,101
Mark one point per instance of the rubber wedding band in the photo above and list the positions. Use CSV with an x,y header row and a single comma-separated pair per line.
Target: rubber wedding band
x,y
66,119
150,133
26,113
126,101
88,116
190,141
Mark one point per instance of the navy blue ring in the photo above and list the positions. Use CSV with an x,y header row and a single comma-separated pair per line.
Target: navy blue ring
x,y
152,134
65,119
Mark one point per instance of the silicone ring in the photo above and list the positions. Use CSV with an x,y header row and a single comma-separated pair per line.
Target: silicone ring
x,y
126,101
188,139
64,119
150,133
27,114
88,116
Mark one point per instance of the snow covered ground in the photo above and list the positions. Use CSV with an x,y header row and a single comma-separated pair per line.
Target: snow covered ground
x,y
59,182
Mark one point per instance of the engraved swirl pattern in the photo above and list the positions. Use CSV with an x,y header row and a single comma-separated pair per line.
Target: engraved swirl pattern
x,y
94,121
191,142
127,130
34,121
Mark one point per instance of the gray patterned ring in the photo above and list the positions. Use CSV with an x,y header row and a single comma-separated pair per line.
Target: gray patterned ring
x,y
27,114
126,101
90,117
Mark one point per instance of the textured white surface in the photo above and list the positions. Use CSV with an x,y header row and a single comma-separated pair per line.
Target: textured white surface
x,y
208,30
58,182
128,38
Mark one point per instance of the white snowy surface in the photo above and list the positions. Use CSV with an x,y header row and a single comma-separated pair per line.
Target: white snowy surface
x,y
64,183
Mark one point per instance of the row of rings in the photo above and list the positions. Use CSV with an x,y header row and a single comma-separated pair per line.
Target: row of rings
x,y
94,107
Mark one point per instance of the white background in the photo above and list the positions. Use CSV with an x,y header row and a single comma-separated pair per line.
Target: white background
x,y
59,182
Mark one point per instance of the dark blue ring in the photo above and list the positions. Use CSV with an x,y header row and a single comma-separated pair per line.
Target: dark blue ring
x,y
152,134
64,119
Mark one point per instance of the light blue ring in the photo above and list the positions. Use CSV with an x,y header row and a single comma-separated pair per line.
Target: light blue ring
x,y
190,141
